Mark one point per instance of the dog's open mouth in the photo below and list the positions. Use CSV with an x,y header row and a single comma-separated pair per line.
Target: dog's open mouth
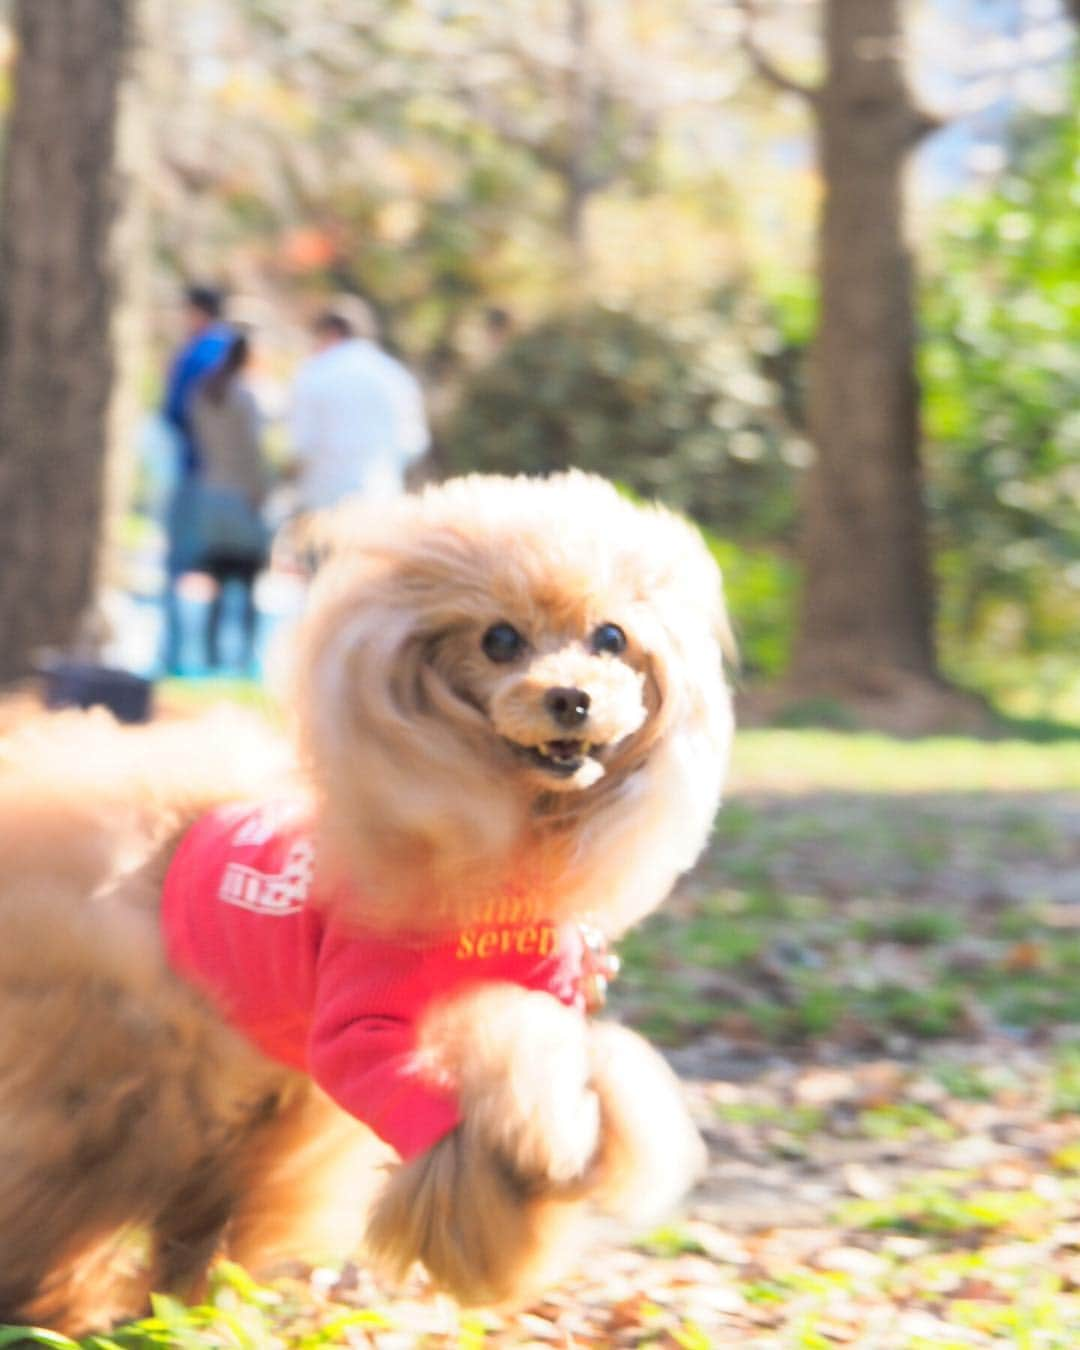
x,y
562,758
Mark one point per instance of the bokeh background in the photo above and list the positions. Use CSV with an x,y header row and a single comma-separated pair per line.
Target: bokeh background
x,y
808,269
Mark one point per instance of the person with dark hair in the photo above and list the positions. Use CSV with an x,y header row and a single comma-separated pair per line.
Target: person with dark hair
x,y
232,538
207,339
358,418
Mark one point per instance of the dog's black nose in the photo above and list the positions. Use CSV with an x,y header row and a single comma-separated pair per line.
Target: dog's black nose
x,y
569,707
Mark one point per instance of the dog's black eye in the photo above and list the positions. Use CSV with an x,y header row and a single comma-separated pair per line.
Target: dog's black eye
x,y
502,642
609,637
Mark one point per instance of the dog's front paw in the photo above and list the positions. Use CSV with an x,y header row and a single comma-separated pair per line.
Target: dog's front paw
x,y
482,1236
542,1118
522,1065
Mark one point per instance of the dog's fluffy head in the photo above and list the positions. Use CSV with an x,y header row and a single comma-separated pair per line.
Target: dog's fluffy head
x,y
513,684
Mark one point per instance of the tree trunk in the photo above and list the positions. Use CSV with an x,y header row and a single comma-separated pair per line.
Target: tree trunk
x,y
581,132
56,289
865,625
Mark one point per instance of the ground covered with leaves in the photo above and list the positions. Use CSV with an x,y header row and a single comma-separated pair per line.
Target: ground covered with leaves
x,y
871,987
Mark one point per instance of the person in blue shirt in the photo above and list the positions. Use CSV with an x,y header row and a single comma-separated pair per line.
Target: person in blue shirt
x,y
207,341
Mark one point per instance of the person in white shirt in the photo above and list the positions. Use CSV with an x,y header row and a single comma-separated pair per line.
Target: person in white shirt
x,y
358,417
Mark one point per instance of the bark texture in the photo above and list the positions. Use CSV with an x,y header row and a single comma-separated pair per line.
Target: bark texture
x,y
57,210
865,625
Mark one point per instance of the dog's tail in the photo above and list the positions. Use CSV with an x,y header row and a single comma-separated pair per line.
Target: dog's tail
x,y
83,799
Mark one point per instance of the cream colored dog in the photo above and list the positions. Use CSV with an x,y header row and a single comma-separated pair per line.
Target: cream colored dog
x,y
509,715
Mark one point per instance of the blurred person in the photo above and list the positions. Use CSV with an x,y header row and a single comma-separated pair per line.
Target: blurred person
x,y
233,484
358,419
206,340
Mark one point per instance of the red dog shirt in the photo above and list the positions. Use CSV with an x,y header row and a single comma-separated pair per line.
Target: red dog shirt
x,y
334,1001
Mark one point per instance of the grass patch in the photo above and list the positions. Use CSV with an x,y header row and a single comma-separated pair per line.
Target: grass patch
x,y
188,696
671,1241
938,1209
901,1120
916,927
1065,1080
805,760
798,1120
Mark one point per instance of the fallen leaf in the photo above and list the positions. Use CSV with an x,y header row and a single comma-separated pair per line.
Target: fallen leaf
x,y
1025,956
864,1182
824,1087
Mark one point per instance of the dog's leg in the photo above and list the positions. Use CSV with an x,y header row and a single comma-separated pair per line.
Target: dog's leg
x,y
521,1063
188,1233
116,1083
73,1171
90,1282
566,1125
651,1152
305,1182
492,1210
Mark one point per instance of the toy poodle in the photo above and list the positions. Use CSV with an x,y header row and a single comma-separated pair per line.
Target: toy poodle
x,y
268,994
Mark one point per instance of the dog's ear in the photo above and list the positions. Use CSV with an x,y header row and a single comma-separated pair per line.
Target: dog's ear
x,y
407,799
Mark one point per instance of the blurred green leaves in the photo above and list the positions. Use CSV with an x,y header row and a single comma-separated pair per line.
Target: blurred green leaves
x,y
1001,380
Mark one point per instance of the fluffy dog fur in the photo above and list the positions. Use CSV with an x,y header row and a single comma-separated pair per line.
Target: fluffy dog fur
x,y
126,1102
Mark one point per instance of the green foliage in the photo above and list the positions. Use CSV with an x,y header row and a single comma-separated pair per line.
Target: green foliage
x,y
759,587
670,1241
940,1208
816,712
1001,376
919,927
680,415
1066,1080
240,1314
902,1119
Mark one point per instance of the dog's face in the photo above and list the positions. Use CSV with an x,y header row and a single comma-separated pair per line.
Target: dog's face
x,y
475,654
562,686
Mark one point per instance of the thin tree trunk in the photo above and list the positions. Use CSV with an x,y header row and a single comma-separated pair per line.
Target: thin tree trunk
x,y
581,131
866,616
56,290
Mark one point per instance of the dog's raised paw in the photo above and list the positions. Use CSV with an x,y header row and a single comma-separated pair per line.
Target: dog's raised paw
x,y
545,1122
522,1063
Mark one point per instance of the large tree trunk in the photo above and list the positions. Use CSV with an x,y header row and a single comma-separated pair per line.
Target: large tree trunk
x,y
866,617
56,350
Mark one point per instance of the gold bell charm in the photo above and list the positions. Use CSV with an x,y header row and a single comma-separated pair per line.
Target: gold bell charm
x,y
599,967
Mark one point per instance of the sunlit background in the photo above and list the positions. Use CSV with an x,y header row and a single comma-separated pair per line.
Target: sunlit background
x,y
601,215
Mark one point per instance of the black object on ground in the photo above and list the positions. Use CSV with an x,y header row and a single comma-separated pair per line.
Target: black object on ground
x,y
75,684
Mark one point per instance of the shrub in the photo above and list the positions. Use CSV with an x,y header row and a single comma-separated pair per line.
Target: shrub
x,y
683,416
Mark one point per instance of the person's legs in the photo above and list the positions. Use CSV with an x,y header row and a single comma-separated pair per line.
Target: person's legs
x,y
216,569
243,571
212,631
182,552
171,657
250,617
